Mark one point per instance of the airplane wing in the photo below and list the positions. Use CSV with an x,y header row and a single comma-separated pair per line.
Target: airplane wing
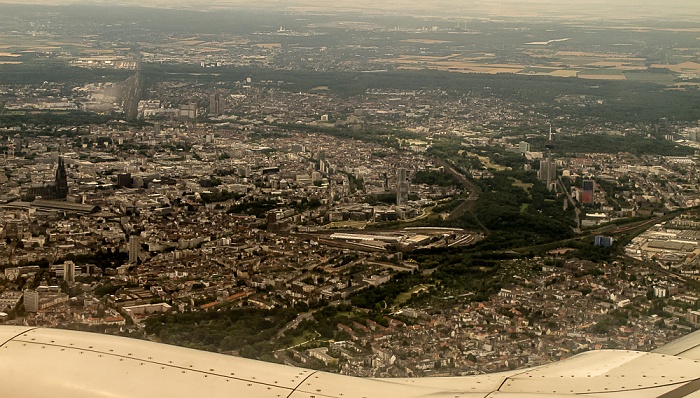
x,y
685,347
37,362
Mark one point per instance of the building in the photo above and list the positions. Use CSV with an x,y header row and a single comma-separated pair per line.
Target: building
x,y
133,249
9,300
523,147
588,191
216,105
31,300
14,229
548,171
53,190
188,111
125,180
660,291
271,218
603,241
69,272
139,313
402,187
53,206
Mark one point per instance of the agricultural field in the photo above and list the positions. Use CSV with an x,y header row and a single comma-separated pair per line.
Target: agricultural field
x,y
550,62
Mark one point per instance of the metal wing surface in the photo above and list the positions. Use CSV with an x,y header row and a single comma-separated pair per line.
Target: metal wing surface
x,y
53,363
685,347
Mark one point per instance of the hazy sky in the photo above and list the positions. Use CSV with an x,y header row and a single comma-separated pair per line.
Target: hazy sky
x,y
595,9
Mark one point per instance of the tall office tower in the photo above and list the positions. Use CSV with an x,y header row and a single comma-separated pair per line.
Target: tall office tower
x,y
402,186
133,249
551,168
548,171
544,169
588,190
31,300
69,272
216,106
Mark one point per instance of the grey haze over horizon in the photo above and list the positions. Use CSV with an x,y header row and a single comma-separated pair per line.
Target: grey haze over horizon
x,y
682,10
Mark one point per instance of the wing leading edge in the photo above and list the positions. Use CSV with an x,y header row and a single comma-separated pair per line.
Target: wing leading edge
x,y
42,362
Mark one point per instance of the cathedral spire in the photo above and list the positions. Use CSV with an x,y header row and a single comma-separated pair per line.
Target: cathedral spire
x,y
61,179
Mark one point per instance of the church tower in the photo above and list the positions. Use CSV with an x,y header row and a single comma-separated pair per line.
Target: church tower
x,y
61,186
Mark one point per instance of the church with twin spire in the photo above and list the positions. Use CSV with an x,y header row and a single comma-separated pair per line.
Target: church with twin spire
x,y
58,189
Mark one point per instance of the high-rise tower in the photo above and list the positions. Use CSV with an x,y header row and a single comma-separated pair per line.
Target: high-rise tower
x,y
133,249
216,106
551,170
69,272
402,187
